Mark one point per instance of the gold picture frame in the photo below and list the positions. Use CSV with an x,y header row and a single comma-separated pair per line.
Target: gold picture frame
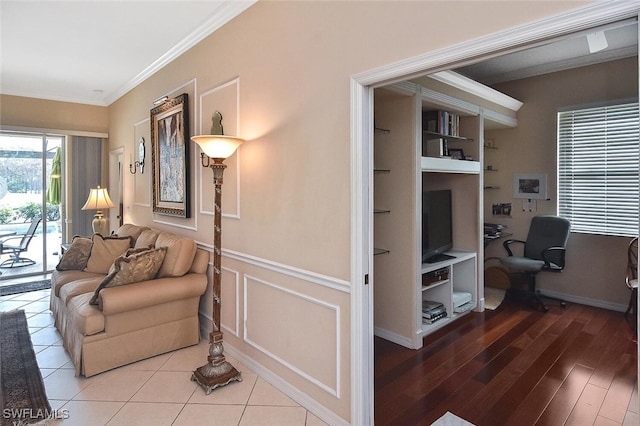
x,y
170,157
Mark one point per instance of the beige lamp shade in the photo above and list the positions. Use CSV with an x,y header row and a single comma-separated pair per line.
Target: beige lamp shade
x,y
218,146
99,199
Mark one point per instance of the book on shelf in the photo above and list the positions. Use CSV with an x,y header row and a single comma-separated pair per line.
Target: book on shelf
x,y
443,122
433,319
432,311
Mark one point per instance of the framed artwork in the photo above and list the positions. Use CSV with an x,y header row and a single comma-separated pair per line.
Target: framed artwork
x,y
456,154
530,186
170,157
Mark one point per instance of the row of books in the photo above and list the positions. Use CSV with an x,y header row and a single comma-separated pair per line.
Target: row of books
x,y
432,311
443,122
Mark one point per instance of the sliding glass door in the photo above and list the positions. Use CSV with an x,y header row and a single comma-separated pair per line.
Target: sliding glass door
x,y
31,195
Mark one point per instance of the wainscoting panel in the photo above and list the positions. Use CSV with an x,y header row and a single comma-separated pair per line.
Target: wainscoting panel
x,y
310,345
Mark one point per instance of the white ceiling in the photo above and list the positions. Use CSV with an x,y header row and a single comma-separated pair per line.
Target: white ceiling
x,y
562,53
93,52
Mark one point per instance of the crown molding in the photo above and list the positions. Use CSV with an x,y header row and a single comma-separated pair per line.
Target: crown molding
x,y
224,13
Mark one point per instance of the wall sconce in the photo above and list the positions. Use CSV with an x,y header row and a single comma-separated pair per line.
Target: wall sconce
x,y
133,168
216,147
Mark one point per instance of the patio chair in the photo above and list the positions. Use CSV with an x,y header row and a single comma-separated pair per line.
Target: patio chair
x,y
17,244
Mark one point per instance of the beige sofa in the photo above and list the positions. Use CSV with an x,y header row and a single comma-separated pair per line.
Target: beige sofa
x,y
107,320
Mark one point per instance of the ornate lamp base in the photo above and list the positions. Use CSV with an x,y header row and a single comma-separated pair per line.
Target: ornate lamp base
x,y
218,371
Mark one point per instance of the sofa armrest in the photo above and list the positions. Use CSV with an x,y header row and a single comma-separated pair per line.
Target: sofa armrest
x,y
140,295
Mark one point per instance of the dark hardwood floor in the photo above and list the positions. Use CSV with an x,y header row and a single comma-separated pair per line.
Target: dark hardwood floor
x,y
514,366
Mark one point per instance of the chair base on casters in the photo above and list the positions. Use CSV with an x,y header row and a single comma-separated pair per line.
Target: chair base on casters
x,y
16,262
536,297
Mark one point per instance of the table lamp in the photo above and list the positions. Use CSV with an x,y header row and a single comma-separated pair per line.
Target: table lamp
x,y
99,199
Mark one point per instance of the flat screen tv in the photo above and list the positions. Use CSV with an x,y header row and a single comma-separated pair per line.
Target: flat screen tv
x,y
437,228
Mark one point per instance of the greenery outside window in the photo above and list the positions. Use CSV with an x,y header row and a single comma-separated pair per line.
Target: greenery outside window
x,y
598,169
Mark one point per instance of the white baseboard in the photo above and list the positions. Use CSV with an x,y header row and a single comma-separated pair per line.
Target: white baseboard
x,y
393,337
584,301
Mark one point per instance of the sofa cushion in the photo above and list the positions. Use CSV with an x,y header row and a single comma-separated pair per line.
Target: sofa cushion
x,y
104,251
130,230
86,318
180,254
81,286
76,256
147,238
132,268
61,278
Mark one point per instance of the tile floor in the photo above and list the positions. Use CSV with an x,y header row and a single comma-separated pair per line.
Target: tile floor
x,y
156,391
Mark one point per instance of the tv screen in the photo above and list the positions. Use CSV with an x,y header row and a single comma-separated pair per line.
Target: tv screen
x,y
437,231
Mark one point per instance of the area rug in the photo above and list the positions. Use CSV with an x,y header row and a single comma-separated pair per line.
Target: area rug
x,y
493,297
23,398
24,287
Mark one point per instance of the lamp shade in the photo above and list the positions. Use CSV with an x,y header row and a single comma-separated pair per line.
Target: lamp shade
x,y
218,146
98,199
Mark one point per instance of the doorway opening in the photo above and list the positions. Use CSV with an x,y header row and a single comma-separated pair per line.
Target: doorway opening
x,y
362,118
31,199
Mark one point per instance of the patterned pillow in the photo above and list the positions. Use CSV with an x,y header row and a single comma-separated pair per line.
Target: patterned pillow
x,y
132,268
75,258
104,251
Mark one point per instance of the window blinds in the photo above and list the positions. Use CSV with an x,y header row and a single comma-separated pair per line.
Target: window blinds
x,y
598,169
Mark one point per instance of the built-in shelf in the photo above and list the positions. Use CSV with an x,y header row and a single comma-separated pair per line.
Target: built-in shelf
x,y
381,211
434,135
449,165
381,171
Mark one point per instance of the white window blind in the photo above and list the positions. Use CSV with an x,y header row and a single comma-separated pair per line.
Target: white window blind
x,y
598,169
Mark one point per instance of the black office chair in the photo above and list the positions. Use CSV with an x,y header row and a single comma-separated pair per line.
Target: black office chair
x,y
544,250
18,244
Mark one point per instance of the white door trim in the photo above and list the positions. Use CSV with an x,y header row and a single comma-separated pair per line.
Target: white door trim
x,y
362,85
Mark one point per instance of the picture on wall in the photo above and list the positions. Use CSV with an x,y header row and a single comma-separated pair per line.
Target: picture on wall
x,y
170,157
530,186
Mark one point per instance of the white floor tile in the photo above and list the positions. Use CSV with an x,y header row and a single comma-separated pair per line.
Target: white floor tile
x,y
281,416
210,415
166,386
114,385
94,413
265,394
146,413
52,357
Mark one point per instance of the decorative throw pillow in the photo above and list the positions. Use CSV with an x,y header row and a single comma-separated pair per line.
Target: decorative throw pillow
x,y
104,251
132,268
76,256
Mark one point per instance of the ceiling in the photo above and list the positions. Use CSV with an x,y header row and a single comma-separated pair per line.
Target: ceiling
x,y
94,52
620,41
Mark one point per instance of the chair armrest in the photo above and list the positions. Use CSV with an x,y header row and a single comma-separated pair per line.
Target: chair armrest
x,y
140,295
554,266
507,245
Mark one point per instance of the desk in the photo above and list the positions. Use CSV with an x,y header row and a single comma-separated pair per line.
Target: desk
x,y
490,238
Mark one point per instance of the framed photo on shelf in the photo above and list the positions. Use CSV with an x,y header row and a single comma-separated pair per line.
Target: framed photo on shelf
x,y
170,157
530,186
456,154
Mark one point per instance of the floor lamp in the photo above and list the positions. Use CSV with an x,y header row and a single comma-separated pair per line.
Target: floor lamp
x,y
216,148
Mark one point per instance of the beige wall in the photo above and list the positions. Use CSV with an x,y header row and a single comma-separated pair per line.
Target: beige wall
x,y
595,264
287,266
16,111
